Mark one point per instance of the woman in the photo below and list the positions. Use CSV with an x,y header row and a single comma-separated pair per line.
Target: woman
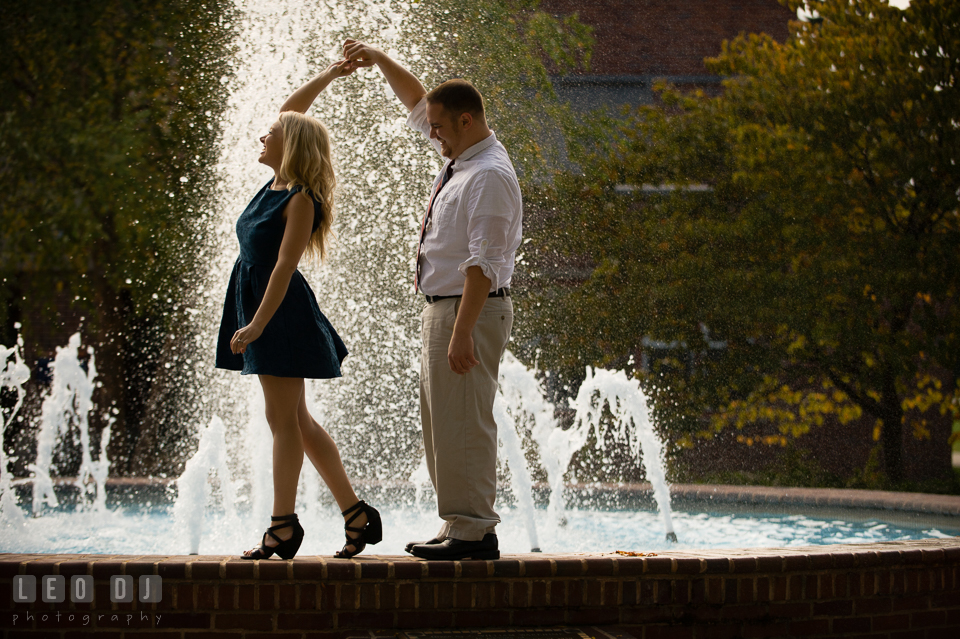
x,y
273,327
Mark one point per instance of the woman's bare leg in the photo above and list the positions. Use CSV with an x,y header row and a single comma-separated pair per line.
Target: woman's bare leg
x,y
282,396
323,452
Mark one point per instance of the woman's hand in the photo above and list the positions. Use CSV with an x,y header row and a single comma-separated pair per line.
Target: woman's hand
x,y
242,338
342,69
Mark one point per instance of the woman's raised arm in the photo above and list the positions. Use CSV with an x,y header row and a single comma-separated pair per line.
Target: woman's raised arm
x,y
302,98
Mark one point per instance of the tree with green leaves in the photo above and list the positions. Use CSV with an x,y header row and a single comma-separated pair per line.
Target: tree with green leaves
x,y
110,111
807,217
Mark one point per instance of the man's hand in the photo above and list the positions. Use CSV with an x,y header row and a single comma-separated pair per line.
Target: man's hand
x,y
361,54
460,354
476,288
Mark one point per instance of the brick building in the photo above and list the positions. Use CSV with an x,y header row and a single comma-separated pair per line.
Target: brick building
x,y
640,41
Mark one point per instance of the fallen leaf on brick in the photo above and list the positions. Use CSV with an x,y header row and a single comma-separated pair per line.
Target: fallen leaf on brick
x,y
630,553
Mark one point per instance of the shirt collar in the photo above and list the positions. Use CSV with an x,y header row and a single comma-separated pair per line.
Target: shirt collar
x,y
482,145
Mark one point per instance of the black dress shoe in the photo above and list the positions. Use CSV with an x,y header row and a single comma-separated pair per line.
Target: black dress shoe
x,y
411,544
451,549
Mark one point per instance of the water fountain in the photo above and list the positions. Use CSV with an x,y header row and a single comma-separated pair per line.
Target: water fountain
x,y
370,305
65,412
13,375
195,487
523,398
218,502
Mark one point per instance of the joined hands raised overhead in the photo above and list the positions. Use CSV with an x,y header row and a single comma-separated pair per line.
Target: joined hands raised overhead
x,y
405,85
361,54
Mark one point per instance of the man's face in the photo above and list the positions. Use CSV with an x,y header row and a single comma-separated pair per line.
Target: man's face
x,y
447,129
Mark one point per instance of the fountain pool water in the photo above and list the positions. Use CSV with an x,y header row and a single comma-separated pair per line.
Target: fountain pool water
x,y
155,531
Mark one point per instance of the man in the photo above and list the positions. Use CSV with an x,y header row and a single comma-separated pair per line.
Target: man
x,y
468,242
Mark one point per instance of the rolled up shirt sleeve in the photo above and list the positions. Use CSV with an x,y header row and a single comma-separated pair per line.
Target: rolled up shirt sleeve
x,y
417,120
493,224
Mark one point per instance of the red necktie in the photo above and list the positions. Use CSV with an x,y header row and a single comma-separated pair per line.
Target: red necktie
x,y
426,218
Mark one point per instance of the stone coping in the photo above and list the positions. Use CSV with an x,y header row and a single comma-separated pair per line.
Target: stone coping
x,y
821,497
946,505
689,562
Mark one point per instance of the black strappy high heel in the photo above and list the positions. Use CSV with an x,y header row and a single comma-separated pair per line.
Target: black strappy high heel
x,y
286,548
371,533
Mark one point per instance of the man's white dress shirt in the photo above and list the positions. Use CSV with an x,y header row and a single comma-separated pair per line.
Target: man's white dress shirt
x,y
476,218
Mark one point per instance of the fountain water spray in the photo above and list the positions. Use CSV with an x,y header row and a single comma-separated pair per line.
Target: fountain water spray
x,y
627,404
281,44
13,375
521,483
521,401
194,487
524,395
525,400
66,409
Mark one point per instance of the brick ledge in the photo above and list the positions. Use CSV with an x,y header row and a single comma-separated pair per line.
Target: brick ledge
x,y
719,561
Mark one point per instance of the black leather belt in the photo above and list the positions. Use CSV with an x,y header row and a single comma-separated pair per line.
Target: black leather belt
x,y
500,292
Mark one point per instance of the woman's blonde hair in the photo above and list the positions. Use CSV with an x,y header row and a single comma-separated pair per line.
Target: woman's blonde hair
x,y
306,163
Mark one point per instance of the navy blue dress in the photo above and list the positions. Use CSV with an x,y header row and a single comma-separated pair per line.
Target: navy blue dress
x,y
298,341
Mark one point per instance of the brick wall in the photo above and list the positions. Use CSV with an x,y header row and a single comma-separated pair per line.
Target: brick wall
x,y
651,37
881,589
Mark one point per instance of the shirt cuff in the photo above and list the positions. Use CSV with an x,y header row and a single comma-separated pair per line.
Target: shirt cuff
x,y
490,270
418,115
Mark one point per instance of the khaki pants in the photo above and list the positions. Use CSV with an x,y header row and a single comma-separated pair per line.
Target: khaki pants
x,y
456,411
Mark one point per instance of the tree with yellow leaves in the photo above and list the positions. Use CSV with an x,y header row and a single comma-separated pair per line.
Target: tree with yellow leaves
x,y
807,217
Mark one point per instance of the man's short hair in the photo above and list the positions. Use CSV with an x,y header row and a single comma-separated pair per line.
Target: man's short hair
x,y
457,96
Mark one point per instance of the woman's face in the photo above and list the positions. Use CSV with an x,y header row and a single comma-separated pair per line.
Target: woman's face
x,y
272,153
